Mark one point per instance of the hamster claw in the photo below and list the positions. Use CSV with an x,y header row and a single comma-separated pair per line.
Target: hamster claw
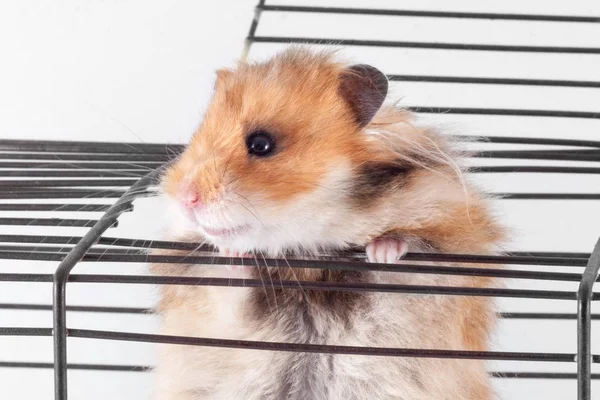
x,y
386,250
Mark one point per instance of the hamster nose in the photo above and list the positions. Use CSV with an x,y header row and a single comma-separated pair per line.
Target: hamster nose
x,y
189,197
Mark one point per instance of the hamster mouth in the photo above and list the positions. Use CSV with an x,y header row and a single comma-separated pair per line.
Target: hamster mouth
x,y
225,232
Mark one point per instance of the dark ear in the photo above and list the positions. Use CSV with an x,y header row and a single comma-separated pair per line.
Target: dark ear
x,y
364,88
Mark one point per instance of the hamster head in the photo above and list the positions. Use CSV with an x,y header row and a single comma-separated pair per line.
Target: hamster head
x,y
276,164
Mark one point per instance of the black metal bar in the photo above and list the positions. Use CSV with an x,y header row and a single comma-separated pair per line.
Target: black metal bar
x,y
558,155
119,166
62,222
50,173
58,193
555,316
585,295
25,331
92,309
427,45
321,349
529,140
61,277
93,250
29,252
538,375
55,207
322,263
505,112
493,81
54,183
16,277
433,14
534,169
57,146
527,257
328,286
66,157
139,310
325,262
549,196
82,367
141,368
260,6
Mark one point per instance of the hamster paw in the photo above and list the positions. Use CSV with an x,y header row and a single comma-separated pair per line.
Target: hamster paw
x,y
241,269
386,250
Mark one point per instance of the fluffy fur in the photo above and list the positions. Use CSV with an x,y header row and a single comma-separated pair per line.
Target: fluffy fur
x,y
331,184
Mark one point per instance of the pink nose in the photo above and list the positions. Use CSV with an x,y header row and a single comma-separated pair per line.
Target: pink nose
x,y
189,197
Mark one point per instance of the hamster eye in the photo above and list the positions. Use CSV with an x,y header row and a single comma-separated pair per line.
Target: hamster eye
x,y
260,144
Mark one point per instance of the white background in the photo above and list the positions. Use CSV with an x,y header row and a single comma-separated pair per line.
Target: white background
x,y
142,71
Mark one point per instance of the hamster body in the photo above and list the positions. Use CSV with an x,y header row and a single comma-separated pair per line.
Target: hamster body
x,y
295,156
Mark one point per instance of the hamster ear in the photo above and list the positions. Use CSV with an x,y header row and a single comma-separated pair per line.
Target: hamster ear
x,y
364,88
223,75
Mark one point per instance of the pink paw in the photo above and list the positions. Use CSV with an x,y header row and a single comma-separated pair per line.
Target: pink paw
x,y
386,251
234,254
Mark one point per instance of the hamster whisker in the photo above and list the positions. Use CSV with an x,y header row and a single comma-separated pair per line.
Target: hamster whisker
x,y
226,167
272,285
264,287
295,276
250,211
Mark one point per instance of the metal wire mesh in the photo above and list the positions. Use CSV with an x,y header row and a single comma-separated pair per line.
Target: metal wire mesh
x,y
57,177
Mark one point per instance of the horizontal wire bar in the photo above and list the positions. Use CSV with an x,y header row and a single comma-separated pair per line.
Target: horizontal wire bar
x,y
426,45
39,183
141,368
323,263
93,309
49,173
559,155
52,193
524,258
84,367
534,169
140,310
548,196
25,331
62,222
67,248
529,140
55,207
532,315
321,286
66,157
89,147
329,286
146,165
538,375
103,253
505,112
434,14
323,349
493,81
17,277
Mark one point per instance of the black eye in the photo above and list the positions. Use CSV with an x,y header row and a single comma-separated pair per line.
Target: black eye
x,y
260,144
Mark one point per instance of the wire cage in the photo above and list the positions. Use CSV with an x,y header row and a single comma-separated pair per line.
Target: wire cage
x,y
52,179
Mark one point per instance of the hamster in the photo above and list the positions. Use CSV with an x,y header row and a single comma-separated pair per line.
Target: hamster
x,y
297,156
